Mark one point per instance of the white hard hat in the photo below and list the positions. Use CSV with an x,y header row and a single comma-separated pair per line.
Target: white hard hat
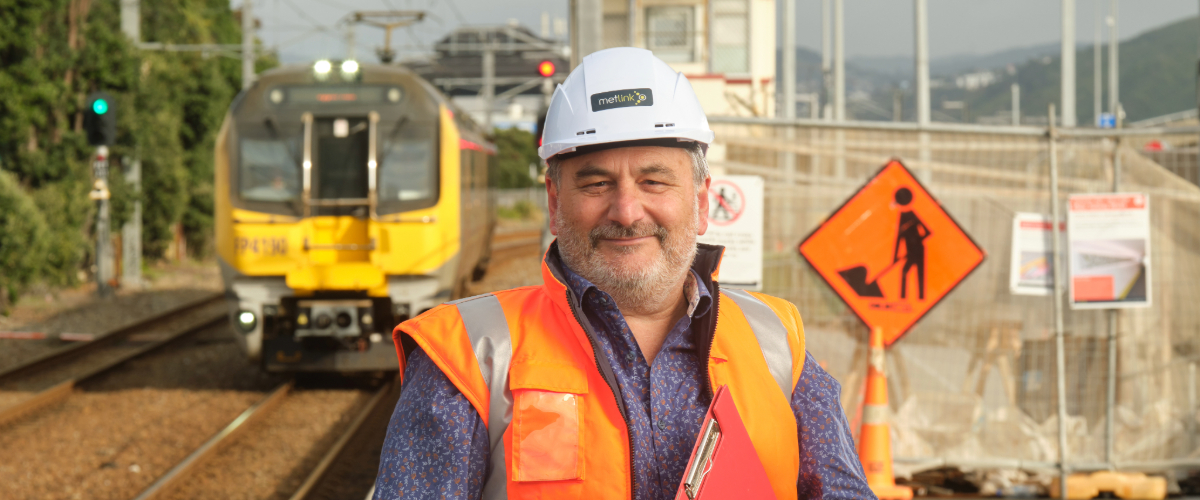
x,y
618,95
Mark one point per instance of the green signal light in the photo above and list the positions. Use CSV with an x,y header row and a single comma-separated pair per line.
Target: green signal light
x,y
100,106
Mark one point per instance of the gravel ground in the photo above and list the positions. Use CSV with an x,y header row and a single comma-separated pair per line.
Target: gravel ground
x,y
78,310
353,473
276,454
512,268
79,365
115,436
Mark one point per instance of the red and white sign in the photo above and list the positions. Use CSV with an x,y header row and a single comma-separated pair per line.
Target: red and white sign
x,y
735,221
1031,270
1109,250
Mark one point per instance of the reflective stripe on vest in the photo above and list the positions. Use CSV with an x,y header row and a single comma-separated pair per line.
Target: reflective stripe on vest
x,y
771,334
487,329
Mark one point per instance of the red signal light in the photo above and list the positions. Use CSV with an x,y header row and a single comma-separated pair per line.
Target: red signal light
x,y
546,69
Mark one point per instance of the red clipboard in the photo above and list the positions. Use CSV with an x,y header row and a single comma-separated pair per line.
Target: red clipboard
x,y
724,463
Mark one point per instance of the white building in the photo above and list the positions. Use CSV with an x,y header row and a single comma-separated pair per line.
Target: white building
x,y
726,48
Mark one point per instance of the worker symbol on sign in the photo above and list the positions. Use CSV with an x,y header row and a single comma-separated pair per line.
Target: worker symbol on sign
x,y
726,201
910,234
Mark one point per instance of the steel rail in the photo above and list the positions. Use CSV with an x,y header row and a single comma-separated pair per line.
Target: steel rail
x,y
57,357
63,389
227,435
312,483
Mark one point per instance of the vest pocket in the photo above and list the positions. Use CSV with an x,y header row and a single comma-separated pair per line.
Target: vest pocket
x,y
545,436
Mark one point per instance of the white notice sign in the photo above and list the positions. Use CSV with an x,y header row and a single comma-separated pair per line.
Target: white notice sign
x,y
735,221
1031,271
1109,250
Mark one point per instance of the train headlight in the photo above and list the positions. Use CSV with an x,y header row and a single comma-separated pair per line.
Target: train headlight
x,y
350,66
322,68
276,96
324,321
246,321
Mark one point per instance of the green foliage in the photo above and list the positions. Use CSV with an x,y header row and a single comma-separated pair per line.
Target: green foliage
x,y
521,210
516,150
169,107
1157,77
23,239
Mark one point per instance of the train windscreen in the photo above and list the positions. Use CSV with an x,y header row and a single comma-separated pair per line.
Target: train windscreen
x,y
408,169
269,171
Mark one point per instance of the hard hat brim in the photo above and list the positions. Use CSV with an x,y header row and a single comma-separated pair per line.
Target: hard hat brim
x,y
705,137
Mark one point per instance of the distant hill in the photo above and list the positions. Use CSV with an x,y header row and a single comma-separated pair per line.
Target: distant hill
x,y
900,67
1157,76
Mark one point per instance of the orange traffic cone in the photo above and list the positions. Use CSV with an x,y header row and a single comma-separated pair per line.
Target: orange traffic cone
x,y
875,441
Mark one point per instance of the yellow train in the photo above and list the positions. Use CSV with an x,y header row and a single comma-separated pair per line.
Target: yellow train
x,y
348,198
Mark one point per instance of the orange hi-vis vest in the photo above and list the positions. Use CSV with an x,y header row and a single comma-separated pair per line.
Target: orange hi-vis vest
x,y
527,361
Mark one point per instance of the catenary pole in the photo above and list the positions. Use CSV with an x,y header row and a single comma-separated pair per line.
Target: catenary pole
x,y
1097,70
1114,49
247,44
632,23
488,93
839,85
789,106
1060,357
789,59
131,231
1110,396
921,39
922,60
1067,58
826,59
839,61
1016,104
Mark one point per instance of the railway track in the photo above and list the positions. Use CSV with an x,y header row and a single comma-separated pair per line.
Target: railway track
x,y
49,379
346,467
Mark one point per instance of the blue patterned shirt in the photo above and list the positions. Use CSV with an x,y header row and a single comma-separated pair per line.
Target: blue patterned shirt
x,y
437,445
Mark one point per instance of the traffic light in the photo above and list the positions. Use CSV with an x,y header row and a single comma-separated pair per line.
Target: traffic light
x,y
546,69
100,119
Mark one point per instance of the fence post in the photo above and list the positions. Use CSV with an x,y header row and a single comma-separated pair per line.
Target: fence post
x,y
1111,392
1060,358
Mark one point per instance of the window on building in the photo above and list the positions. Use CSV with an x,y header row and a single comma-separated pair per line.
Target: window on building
x,y
616,30
671,33
730,37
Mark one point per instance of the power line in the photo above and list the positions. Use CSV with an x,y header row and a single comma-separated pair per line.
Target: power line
x,y
453,8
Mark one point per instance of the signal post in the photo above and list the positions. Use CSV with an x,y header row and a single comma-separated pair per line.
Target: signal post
x,y
100,123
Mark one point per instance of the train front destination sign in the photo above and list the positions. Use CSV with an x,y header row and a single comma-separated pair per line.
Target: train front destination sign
x,y
891,252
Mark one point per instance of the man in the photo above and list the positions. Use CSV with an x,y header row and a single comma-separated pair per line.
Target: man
x,y
595,384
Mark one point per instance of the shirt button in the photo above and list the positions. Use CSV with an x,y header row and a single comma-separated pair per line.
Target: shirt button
x,y
662,426
631,357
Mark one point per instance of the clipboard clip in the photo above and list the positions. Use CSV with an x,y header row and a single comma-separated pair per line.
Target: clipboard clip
x,y
695,474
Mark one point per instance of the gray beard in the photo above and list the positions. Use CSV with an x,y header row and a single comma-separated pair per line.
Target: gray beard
x,y
634,289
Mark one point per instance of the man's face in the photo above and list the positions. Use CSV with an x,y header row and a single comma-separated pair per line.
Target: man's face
x,y
627,218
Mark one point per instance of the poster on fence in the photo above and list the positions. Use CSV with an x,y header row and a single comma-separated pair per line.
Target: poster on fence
x,y
1109,250
735,221
1031,271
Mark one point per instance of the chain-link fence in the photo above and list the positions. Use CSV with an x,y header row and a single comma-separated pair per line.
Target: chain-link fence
x,y
974,383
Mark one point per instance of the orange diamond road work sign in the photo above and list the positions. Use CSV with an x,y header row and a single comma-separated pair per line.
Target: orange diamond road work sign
x,y
891,252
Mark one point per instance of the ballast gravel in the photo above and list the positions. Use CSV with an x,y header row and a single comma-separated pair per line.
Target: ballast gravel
x,y
113,437
275,455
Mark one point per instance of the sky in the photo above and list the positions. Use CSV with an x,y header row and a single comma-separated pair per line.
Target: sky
x,y
304,30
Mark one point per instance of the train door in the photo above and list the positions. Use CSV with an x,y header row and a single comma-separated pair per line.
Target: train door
x,y
339,187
